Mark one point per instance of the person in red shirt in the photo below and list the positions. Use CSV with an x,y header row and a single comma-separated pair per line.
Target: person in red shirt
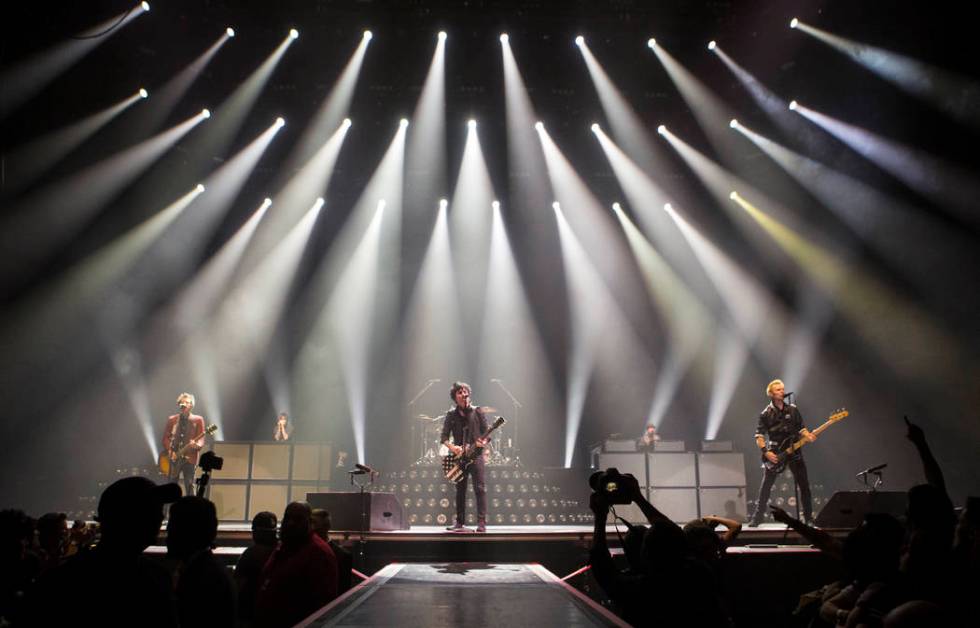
x,y
184,431
301,575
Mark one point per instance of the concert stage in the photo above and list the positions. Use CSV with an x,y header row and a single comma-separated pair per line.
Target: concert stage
x,y
768,565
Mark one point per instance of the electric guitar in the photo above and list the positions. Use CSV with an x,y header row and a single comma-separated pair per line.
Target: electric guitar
x,y
168,459
455,466
788,447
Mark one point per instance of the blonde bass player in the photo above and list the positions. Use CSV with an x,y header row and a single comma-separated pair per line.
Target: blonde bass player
x,y
182,441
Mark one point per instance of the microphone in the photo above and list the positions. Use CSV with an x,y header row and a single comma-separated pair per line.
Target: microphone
x,y
872,470
363,468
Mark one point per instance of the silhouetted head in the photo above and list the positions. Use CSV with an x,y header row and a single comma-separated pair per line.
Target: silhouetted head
x,y
873,549
930,510
131,511
703,542
192,527
52,530
664,545
297,524
264,528
321,523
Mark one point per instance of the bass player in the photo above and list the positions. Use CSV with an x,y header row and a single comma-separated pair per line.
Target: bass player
x,y
184,431
467,425
780,422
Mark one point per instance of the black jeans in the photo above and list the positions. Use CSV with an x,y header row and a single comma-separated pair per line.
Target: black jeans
x,y
479,487
798,468
185,469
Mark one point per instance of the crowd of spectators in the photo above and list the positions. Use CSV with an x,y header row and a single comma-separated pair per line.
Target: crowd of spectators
x,y
101,575
917,572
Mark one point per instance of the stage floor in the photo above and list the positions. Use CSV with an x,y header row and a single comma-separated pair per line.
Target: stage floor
x,y
463,594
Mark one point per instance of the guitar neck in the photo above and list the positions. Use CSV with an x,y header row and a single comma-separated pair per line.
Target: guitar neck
x,y
798,444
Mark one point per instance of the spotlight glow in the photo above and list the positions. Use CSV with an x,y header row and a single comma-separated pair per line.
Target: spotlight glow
x,y
205,113
662,130
733,195
443,203
668,207
579,41
555,206
442,35
794,23
403,122
144,93
267,202
145,5
368,35
280,122
347,123
539,126
712,45
792,105
199,188
293,33
652,43
495,205
471,124
230,31
617,207
733,123
595,127
504,38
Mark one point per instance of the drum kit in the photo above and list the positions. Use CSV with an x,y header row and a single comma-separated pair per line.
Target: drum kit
x,y
501,450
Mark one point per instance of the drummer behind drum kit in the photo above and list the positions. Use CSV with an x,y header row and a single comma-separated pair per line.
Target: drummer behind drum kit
x,y
501,450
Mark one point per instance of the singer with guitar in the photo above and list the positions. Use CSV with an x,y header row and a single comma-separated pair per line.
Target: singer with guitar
x,y
780,422
467,425
184,432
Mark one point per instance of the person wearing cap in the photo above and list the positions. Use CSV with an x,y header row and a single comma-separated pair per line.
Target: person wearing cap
x,y
113,584
184,429
248,570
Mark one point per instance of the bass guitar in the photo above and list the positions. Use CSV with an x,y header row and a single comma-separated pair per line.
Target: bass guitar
x,y
168,459
788,446
455,466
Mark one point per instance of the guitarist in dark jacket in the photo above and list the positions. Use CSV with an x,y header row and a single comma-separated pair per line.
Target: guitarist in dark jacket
x,y
467,425
780,425
184,430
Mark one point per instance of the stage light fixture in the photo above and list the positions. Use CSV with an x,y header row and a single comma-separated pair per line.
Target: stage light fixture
x,y
794,23
471,124
293,33
368,35
617,207
230,31
205,113
144,93
712,45
652,43
539,126
145,5
504,38
347,122
792,105
668,207
403,122
595,127
579,41
199,188
555,206
495,205
442,35
267,202
662,130
280,123
733,123
443,203
733,195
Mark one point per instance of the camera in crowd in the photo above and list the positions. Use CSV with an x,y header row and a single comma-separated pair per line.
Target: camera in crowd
x,y
210,461
613,485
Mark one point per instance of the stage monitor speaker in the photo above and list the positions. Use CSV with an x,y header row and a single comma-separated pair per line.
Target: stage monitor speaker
x,y
846,509
349,511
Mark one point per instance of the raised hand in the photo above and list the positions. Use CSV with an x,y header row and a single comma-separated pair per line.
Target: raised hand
x,y
913,432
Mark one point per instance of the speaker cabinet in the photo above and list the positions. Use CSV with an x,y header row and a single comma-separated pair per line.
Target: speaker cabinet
x,y
632,463
846,509
724,502
672,470
721,469
680,504
350,511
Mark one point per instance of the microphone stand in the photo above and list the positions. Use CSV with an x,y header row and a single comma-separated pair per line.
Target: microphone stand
x,y
360,486
411,404
517,407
